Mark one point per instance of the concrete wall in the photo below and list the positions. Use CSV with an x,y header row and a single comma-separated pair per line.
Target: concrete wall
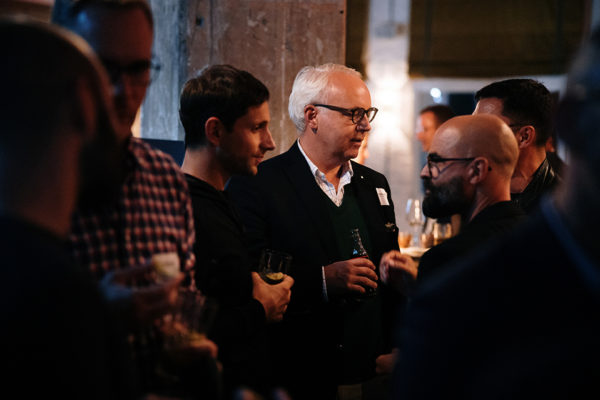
x,y
271,39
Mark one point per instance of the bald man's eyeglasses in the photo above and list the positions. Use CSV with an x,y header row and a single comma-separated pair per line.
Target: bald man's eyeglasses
x,y
434,159
356,114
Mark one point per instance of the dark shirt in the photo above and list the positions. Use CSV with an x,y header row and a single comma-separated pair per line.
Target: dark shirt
x,y
543,181
223,273
518,320
54,326
490,222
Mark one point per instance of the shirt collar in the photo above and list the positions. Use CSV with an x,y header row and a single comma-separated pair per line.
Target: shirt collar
x,y
346,167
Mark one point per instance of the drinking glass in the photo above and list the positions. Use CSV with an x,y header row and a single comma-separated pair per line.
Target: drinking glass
x,y
274,265
441,232
404,239
415,218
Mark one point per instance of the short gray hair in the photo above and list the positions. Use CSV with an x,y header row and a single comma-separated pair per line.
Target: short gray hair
x,y
310,86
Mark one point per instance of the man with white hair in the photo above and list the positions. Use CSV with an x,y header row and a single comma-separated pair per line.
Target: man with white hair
x,y
306,202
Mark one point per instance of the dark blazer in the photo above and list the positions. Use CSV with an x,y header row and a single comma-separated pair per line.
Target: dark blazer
x,y
283,208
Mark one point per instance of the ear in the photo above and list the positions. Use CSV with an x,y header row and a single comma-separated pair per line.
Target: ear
x,y
310,117
478,170
213,129
525,136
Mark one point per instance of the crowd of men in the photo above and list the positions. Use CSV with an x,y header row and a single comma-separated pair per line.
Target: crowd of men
x,y
504,309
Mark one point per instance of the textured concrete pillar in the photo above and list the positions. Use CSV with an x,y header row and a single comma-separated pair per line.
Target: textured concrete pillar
x,y
160,115
271,39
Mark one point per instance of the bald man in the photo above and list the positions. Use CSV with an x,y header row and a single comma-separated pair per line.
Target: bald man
x,y
520,319
468,172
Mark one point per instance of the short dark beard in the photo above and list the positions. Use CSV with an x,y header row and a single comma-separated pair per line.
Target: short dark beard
x,y
444,200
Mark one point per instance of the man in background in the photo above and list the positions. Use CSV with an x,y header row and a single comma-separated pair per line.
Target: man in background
x,y
225,115
430,118
150,214
527,107
152,211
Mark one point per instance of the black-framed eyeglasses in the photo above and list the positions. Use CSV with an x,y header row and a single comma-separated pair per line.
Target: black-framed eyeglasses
x,y
434,159
140,72
356,114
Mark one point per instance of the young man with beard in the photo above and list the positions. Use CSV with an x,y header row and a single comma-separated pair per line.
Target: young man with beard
x,y
468,172
225,114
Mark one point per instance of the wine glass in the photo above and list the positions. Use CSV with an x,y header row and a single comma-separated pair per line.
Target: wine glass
x,y
274,265
415,217
441,232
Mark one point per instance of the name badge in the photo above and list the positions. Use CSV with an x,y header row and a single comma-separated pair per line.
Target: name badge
x,y
383,198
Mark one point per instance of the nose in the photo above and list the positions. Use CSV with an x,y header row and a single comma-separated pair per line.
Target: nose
x,y
267,142
425,173
363,125
123,88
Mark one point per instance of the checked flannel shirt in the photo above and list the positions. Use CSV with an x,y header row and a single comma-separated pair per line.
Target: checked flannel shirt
x,y
153,215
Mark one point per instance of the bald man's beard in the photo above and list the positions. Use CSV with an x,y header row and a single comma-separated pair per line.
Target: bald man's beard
x,y
445,200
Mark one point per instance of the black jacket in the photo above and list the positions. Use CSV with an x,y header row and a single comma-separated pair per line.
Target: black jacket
x,y
491,222
543,181
223,273
518,320
283,208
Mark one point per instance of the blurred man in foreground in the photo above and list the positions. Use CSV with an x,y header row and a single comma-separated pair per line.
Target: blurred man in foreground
x,y
520,319
57,125
149,216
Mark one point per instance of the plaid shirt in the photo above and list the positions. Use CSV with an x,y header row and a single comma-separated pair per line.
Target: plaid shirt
x,y
153,215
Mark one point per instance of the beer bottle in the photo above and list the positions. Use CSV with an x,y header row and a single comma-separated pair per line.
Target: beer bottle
x,y
358,251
